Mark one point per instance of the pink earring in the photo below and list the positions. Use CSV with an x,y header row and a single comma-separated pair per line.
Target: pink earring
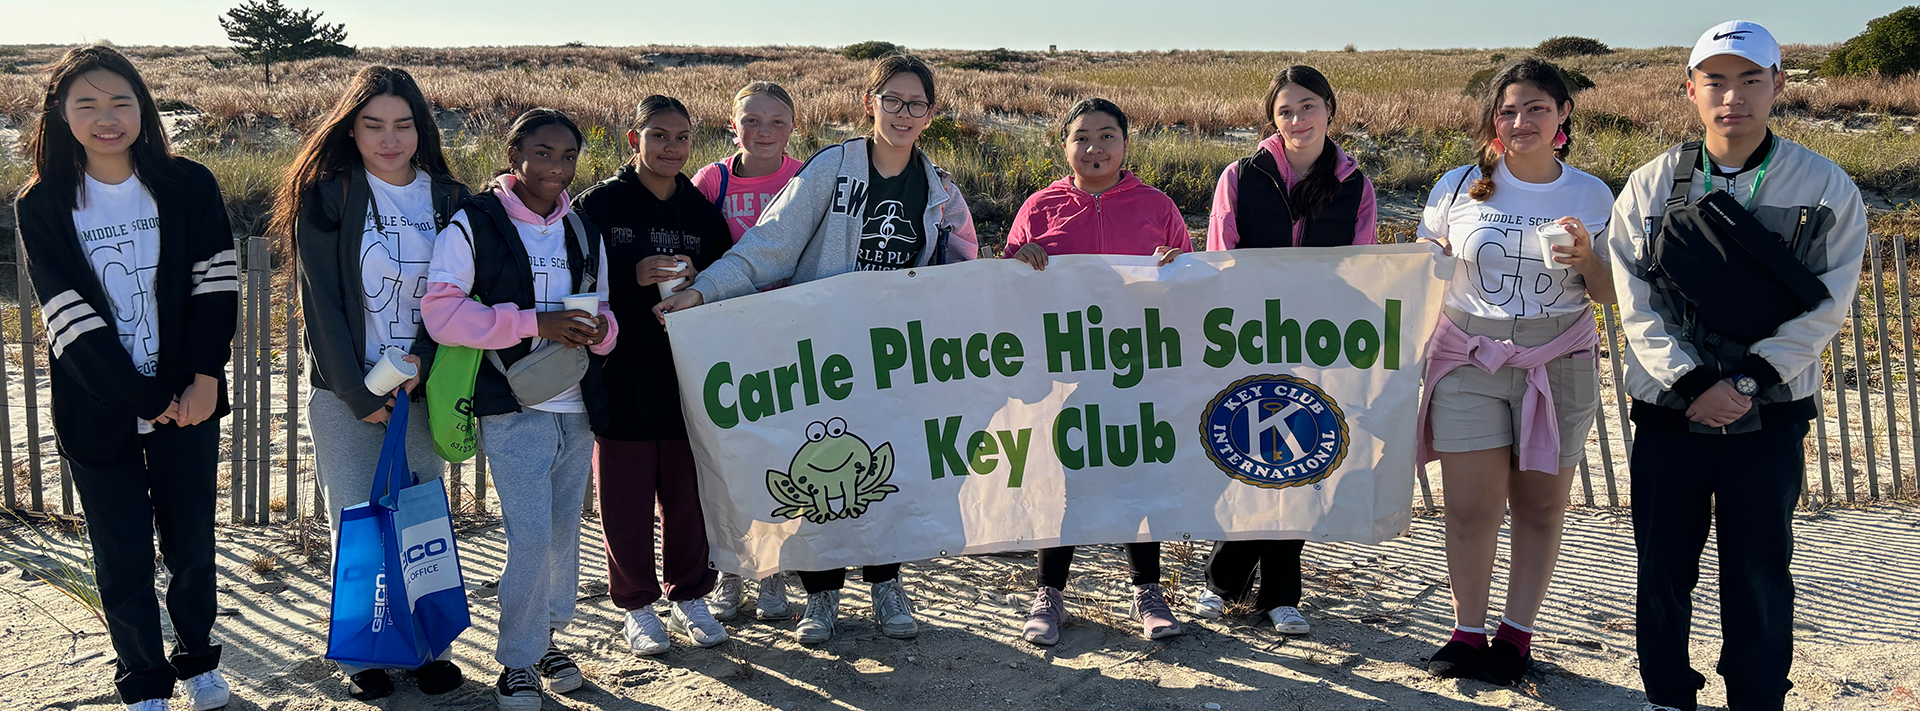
x,y
1499,147
1560,140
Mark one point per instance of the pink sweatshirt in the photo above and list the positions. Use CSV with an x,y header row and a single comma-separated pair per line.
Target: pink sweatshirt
x,y
746,197
1223,233
1539,440
453,317
1129,218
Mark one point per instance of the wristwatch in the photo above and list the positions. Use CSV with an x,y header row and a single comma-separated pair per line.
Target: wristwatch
x,y
1745,385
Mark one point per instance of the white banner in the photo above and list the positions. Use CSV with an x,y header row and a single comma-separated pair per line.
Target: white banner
x,y
878,417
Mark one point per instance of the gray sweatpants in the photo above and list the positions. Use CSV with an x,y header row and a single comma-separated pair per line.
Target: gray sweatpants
x,y
346,449
540,463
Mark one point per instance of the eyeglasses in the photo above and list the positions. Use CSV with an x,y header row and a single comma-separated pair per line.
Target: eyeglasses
x,y
893,105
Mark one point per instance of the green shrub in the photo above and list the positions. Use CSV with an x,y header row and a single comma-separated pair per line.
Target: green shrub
x,y
1576,82
942,128
1002,55
870,50
1562,47
1497,58
1477,83
1889,47
976,64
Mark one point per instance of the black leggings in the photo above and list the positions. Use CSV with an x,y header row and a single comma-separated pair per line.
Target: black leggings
x,y
1143,562
1231,567
816,581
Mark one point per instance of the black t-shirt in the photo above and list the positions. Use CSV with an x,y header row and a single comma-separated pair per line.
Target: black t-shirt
x,y
643,402
893,234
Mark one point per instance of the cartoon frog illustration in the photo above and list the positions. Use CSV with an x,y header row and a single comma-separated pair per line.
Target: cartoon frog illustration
x,y
833,476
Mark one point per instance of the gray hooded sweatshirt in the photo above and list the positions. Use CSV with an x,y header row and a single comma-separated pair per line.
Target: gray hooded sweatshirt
x,y
812,228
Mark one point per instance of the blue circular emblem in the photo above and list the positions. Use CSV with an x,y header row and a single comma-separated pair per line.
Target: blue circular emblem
x,y
1275,431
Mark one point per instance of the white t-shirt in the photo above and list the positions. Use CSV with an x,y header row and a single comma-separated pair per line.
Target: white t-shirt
x,y
119,229
1503,272
396,247
552,279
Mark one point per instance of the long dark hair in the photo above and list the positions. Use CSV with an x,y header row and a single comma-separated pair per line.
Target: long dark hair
x,y
534,120
1321,185
1528,70
330,148
59,159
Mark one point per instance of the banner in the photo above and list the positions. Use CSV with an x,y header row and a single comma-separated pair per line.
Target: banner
x,y
877,417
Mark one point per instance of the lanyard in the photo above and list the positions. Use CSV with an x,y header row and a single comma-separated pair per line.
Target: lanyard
x,y
1706,166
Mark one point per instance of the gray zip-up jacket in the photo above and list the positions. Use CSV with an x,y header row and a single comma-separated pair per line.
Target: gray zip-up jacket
x,y
1808,201
811,230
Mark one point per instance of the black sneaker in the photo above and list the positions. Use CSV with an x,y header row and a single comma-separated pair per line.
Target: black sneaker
x,y
1503,664
517,690
439,677
1455,660
561,673
370,684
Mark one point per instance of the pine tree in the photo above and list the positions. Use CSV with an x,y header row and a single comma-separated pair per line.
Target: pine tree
x,y
265,31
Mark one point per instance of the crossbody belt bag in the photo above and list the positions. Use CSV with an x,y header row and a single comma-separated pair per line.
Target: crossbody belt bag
x,y
545,373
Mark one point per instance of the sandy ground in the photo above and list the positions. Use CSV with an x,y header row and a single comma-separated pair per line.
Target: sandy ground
x,y
1378,612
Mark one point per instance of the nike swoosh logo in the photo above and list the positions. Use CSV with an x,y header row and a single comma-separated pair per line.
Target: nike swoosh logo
x,y
1741,34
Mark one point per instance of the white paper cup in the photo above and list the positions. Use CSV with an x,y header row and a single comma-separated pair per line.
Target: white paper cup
x,y
589,303
390,372
1553,235
666,287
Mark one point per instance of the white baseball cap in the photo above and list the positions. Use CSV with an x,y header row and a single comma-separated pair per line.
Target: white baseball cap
x,y
1744,39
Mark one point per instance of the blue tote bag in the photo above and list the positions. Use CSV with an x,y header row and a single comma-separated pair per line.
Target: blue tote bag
x,y
398,598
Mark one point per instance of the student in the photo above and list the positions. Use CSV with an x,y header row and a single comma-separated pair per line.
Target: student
x,y
1298,189
655,220
131,253
743,185
363,201
1509,423
1099,209
1720,421
912,215
500,272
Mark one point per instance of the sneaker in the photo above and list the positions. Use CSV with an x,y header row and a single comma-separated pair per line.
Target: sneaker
x,y
207,692
517,690
893,611
1209,605
1651,706
645,634
561,673
148,705
771,603
1150,610
439,677
1455,660
370,684
724,602
1288,620
816,626
1044,619
1503,664
691,618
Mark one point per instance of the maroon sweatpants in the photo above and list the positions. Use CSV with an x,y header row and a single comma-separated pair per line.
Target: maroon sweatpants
x,y
632,476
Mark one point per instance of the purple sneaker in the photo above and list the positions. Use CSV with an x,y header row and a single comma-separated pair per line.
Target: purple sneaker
x,y
1044,618
1150,609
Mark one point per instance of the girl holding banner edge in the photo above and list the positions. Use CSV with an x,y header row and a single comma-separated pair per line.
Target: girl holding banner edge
x,y
1072,216
800,237
1299,189
363,202
1512,385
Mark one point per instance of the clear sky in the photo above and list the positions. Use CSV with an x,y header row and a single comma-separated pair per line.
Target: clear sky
x,y
960,24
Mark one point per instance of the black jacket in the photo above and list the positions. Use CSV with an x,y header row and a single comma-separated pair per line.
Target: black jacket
x,y
501,275
97,392
1266,219
331,296
643,390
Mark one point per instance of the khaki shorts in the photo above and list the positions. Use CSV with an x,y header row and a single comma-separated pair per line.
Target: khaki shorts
x,y
1472,410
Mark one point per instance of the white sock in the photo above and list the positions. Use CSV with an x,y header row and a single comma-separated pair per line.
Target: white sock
x,y
1504,622
1471,630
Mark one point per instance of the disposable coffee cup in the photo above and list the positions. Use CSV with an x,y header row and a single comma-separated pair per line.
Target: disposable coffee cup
x,y
1553,234
390,372
589,303
666,287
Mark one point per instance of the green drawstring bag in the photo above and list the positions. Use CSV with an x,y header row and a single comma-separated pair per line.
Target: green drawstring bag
x,y
450,402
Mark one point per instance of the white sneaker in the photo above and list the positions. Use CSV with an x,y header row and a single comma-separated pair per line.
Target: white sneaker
x,y
893,611
724,601
771,603
1288,620
645,634
207,692
691,618
148,705
816,625
1209,605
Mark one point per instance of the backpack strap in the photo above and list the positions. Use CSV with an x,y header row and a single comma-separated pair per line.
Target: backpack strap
x,y
590,248
1683,174
726,172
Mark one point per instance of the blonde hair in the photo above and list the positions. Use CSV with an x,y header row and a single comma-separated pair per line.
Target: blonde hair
x,y
776,91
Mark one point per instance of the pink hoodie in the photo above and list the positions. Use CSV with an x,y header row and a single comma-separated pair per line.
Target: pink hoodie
x,y
454,318
1223,233
1129,218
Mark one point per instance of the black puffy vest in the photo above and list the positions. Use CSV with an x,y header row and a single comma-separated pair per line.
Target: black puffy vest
x,y
1265,219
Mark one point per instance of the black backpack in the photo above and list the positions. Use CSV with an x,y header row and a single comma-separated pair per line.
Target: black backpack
x,y
1741,280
